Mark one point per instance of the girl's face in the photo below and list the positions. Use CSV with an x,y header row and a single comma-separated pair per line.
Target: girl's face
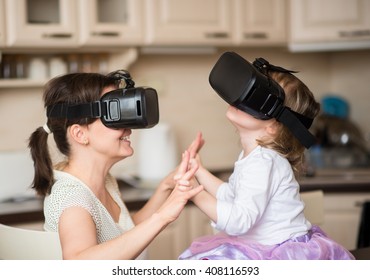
x,y
250,128
113,143
243,121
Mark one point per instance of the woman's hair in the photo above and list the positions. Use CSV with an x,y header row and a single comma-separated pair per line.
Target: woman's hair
x,y
73,88
300,99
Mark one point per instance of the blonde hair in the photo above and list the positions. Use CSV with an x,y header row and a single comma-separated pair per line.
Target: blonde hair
x,y
300,99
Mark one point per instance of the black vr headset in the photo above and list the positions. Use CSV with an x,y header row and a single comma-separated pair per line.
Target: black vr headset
x,y
248,88
127,107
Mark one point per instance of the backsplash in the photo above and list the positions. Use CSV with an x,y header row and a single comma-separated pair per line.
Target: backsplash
x,y
189,105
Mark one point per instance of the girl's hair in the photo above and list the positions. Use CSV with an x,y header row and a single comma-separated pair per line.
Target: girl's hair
x,y
300,99
75,88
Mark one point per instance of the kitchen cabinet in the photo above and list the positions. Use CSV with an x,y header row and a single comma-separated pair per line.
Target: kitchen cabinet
x,y
111,22
2,24
342,215
41,23
106,62
260,22
189,22
174,239
329,24
216,22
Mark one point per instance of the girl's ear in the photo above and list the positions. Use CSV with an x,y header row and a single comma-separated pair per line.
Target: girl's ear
x,y
78,134
272,128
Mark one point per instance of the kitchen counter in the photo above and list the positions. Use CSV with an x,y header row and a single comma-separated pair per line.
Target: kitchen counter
x,y
338,180
330,181
30,209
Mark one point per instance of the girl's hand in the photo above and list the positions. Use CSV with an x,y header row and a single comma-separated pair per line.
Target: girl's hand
x,y
196,145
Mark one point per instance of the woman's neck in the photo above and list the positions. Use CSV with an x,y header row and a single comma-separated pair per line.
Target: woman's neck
x,y
93,174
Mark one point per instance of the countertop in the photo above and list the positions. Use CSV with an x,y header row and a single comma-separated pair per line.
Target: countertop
x,y
30,209
337,181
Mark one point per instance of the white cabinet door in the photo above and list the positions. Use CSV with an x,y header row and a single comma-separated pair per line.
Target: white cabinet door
x,y
173,240
111,22
189,22
342,214
261,22
317,21
2,24
41,23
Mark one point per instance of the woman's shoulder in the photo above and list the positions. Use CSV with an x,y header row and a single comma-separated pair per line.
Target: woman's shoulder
x,y
68,188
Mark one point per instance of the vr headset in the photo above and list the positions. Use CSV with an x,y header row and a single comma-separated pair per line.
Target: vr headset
x,y
246,87
128,107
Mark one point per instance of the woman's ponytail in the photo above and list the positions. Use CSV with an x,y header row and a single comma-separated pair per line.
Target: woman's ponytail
x,y
43,178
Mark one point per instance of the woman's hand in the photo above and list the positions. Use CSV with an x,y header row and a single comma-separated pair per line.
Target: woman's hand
x,y
169,182
182,192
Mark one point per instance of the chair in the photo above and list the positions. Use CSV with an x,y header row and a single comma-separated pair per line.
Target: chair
x,y
314,206
25,244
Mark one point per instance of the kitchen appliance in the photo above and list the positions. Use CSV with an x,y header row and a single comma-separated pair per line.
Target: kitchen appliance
x,y
341,143
157,154
16,173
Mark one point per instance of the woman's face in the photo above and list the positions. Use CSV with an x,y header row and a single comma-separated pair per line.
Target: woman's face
x,y
113,143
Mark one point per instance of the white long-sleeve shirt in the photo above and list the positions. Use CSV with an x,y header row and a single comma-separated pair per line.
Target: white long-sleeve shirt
x,y
261,201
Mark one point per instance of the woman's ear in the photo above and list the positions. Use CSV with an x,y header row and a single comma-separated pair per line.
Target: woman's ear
x,y
78,134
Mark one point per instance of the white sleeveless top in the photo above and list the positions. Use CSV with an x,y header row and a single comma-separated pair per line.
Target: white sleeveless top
x,y
69,191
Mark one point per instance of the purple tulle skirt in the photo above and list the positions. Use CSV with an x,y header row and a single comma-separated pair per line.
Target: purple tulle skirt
x,y
314,245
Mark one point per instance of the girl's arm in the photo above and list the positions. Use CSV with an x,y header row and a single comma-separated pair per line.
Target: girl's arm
x,y
210,182
207,203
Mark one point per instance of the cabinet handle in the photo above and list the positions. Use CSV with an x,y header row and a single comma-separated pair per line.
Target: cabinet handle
x,y
217,35
354,33
57,35
255,35
105,34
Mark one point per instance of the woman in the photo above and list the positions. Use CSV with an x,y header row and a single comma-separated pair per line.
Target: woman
x,y
82,201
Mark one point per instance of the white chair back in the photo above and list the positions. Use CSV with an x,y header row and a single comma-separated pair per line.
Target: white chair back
x,y
25,244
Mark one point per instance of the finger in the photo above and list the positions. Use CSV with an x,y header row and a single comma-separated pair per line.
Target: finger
x,y
182,182
191,172
183,188
196,145
183,167
195,191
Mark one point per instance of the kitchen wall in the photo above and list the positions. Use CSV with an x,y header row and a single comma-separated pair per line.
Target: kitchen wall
x,y
188,103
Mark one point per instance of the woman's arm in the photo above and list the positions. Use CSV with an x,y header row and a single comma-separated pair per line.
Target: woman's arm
x,y
77,230
163,191
77,233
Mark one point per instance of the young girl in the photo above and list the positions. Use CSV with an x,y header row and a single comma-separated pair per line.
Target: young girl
x,y
258,212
